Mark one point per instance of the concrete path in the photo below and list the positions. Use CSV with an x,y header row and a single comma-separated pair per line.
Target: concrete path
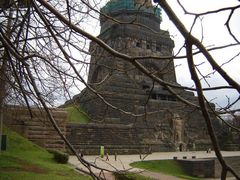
x,y
123,162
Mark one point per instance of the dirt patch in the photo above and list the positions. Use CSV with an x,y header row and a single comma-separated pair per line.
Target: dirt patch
x,y
10,169
34,168
62,174
24,166
30,168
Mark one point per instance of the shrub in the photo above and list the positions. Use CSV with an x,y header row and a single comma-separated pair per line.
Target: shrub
x,y
59,156
130,176
119,176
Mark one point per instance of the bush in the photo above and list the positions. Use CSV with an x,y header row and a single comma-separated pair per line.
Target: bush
x,y
120,176
59,156
130,176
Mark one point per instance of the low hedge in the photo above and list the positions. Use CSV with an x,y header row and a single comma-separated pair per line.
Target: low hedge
x,y
59,156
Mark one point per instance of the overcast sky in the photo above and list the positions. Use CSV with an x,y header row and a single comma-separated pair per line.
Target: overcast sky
x,y
214,34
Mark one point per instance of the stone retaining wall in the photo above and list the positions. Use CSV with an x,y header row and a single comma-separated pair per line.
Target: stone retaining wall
x,y
234,162
202,168
208,167
37,128
116,138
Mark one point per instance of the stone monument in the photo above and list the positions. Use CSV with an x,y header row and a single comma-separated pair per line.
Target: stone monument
x,y
154,118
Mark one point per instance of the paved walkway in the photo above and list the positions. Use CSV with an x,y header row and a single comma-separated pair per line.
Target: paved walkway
x,y
123,162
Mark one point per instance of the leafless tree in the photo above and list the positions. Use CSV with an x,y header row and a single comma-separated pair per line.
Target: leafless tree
x,y
44,56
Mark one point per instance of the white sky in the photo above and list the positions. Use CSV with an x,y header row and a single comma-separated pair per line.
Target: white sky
x,y
214,34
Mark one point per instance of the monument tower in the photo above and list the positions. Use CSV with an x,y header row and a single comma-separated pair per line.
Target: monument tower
x,y
153,117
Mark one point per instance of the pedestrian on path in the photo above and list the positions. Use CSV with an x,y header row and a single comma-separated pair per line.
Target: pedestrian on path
x,y
107,157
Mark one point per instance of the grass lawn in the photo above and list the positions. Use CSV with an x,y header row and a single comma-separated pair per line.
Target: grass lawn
x,y
27,161
76,114
170,167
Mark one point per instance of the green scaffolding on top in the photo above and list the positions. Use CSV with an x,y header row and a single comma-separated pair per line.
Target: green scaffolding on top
x,y
116,5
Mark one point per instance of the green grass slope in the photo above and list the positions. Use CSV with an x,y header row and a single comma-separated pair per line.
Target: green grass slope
x,y
76,114
27,161
170,167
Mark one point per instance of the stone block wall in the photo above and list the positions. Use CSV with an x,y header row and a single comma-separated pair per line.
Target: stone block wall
x,y
116,138
234,162
37,127
208,168
133,138
202,168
